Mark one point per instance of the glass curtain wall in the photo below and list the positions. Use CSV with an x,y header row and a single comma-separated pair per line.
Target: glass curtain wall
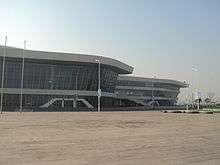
x,y
58,76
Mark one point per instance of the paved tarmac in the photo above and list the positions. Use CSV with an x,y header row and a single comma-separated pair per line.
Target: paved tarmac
x,y
109,138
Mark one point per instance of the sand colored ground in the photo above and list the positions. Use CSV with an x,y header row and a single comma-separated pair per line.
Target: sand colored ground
x,y
109,138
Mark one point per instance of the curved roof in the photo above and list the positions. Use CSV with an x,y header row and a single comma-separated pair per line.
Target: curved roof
x,y
13,52
142,79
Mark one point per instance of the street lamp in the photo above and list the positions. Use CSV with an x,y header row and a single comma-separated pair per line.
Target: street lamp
x,y
22,78
99,84
152,91
196,91
76,88
3,74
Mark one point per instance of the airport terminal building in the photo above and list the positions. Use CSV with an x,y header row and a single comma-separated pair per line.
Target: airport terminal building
x,y
149,91
66,80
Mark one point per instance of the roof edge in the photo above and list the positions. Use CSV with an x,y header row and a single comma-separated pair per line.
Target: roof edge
x,y
75,57
144,79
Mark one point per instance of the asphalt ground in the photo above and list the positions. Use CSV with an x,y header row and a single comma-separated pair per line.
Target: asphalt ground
x,y
109,138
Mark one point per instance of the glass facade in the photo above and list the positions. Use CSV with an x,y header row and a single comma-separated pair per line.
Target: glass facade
x,y
148,93
48,75
162,97
53,75
60,75
145,93
148,84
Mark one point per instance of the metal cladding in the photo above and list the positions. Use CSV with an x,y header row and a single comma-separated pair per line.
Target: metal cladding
x,y
120,67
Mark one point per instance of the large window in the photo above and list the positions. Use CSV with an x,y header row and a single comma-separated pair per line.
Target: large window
x,y
38,75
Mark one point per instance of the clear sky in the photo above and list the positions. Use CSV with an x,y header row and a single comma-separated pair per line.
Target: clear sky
x,y
165,38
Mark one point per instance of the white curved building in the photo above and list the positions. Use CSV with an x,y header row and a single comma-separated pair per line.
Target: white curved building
x,y
62,80
148,91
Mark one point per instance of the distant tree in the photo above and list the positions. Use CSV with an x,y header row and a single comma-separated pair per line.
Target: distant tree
x,y
210,95
207,100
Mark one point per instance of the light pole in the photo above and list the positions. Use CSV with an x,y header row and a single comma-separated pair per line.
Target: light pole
x,y
196,91
3,75
188,96
99,85
152,91
22,77
76,88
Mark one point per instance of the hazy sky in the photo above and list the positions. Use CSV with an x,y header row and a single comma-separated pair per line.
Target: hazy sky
x,y
165,38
